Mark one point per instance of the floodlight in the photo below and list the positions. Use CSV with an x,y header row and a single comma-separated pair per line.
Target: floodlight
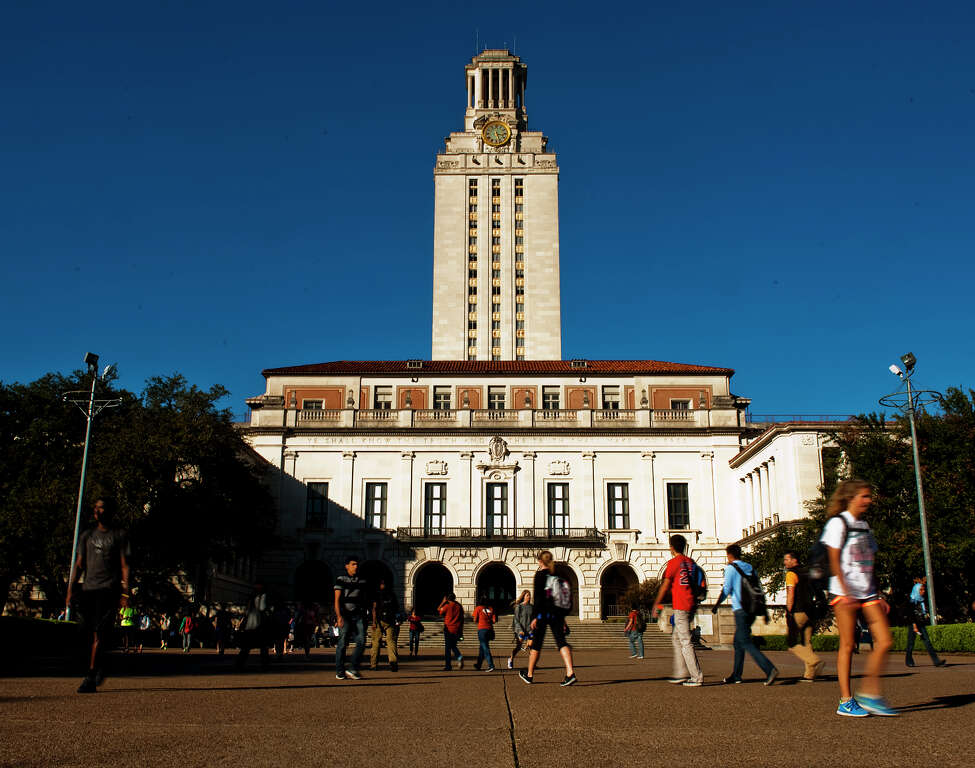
x,y
909,361
895,370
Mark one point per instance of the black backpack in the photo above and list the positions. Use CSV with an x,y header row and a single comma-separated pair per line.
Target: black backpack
x,y
752,595
818,572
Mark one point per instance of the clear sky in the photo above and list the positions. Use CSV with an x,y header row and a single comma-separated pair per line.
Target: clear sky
x,y
784,188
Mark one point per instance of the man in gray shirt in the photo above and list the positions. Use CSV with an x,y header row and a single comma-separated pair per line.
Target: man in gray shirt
x,y
103,557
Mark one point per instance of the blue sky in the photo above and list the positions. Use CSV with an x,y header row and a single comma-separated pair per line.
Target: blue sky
x,y
783,188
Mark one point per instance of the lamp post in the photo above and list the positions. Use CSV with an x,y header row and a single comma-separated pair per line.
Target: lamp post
x,y
91,407
907,402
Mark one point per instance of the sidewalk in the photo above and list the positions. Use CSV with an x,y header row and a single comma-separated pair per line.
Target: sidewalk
x,y
194,710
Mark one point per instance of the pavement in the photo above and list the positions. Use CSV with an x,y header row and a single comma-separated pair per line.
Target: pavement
x,y
175,709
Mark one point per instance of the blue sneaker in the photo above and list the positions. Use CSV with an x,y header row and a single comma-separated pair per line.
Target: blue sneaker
x,y
877,705
850,708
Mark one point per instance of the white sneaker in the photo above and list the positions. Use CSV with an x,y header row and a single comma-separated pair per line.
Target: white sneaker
x,y
511,664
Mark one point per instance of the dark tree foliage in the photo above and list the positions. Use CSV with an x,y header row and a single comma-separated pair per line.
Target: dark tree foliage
x,y
188,487
879,452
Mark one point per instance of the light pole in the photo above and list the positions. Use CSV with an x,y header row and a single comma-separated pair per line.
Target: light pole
x,y
908,402
91,407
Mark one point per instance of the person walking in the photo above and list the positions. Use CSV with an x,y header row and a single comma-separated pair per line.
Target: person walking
x,y
853,588
734,573
186,630
634,629
548,591
453,625
385,607
798,617
521,618
127,619
485,618
145,624
253,631
678,578
164,631
917,624
416,629
103,558
350,597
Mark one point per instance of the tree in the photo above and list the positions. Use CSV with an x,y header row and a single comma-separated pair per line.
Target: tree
x,y
879,451
188,486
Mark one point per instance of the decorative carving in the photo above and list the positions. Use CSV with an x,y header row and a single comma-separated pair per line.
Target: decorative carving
x,y
558,467
497,449
545,163
436,467
447,164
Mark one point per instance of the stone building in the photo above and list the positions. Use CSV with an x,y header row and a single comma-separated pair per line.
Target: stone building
x,y
452,473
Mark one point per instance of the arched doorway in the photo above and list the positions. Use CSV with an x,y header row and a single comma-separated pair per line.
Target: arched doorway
x,y
431,583
372,572
615,581
314,584
496,584
563,571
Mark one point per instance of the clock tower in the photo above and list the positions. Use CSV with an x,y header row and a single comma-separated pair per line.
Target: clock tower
x,y
496,226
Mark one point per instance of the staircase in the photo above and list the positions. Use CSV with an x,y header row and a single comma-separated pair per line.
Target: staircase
x,y
587,635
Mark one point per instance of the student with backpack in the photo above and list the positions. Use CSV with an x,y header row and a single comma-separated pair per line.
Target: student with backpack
x,y
684,578
741,584
636,625
853,588
552,603
800,616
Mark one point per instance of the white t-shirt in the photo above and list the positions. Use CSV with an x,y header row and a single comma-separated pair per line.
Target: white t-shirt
x,y
857,556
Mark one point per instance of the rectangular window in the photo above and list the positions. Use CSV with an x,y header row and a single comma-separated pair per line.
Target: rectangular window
x,y
382,398
558,509
434,508
311,405
316,505
678,506
441,397
680,405
496,519
495,398
376,505
618,505
550,399
611,398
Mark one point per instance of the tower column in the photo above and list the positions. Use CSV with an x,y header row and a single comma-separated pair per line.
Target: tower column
x,y
490,87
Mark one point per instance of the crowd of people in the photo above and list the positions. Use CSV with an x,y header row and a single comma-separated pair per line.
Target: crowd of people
x,y
361,610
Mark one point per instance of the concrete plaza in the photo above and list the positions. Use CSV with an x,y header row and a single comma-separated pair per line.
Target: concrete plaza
x,y
171,709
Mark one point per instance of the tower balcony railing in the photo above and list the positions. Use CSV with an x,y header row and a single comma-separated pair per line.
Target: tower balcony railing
x,y
514,535
507,418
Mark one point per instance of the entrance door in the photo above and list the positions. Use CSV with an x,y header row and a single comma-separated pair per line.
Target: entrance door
x,y
496,584
616,580
430,584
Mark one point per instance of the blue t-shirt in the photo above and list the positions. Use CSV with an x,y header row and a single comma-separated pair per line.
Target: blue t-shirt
x,y
732,582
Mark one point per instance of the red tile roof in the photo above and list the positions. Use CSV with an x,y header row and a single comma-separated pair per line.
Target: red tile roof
x,y
498,367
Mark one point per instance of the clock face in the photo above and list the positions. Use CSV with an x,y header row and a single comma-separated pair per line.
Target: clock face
x,y
496,133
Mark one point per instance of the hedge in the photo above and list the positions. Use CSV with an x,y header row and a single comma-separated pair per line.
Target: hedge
x,y
947,638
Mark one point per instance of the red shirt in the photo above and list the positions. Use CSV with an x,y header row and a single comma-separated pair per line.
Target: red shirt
x,y
484,617
679,571
453,617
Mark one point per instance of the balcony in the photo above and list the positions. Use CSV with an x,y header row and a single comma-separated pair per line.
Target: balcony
x,y
548,536
507,418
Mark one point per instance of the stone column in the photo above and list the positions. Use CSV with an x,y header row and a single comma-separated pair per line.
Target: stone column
x,y
743,499
478,101
772,484
589,483
527,478
348,477
756,506
766,502
468,500
406,489
709,528
490,92
648,457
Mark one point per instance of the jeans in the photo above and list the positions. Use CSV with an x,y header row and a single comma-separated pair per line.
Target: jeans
x,y
356,628
248,640
387,630
450,650
484,649
415,642
743,642
187,637
685,657
636,642
909,658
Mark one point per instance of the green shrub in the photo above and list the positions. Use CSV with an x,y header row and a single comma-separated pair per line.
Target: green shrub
x,y
946,638
39,637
